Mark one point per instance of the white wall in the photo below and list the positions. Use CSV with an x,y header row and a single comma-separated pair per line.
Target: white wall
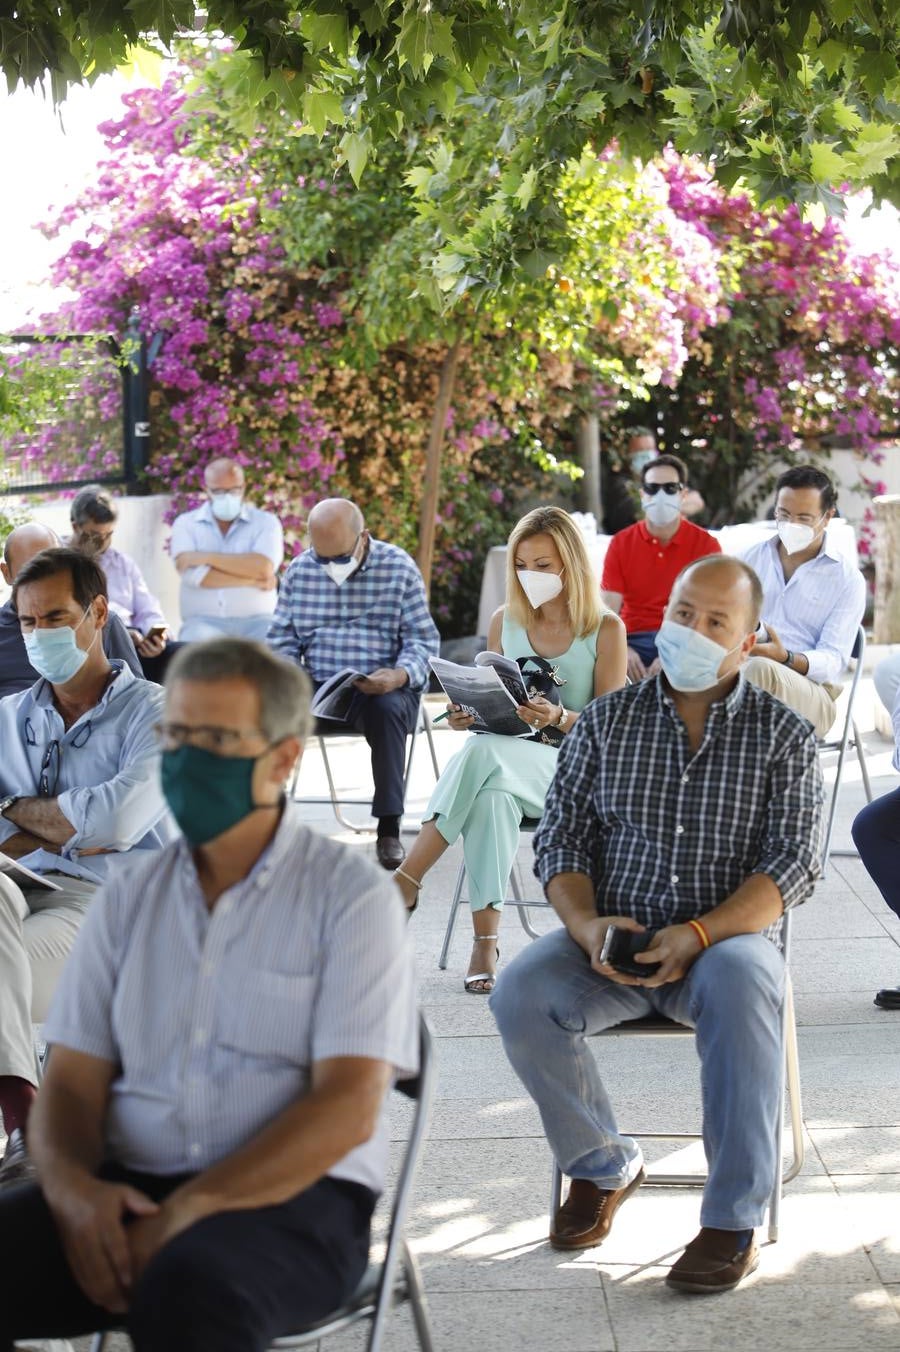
x,y
140,532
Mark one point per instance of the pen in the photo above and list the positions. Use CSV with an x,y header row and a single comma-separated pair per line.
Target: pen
x,y
440,718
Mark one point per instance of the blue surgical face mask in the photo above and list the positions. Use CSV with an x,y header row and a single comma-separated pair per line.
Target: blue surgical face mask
x,y
227,506
54,653
640,460
690,660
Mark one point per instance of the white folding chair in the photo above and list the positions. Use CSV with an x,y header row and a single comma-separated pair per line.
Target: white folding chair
x,y
339,799
528,826
654,1025
394,1279
849,737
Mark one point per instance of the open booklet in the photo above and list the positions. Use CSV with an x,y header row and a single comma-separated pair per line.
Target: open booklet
x,y
489,691
17,871
333,697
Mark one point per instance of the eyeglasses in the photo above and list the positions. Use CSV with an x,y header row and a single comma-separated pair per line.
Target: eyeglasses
x,y
652,489
336,558
49,771
804,519
208,737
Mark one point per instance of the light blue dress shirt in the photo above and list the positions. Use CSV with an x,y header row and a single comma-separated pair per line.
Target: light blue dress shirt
x,y
252,532
817,612
103,772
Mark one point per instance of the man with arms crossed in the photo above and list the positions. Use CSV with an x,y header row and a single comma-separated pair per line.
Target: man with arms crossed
x,y
210,1136
727,837
228,554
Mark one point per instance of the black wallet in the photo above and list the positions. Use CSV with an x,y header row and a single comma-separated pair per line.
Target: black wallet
x,y
620,946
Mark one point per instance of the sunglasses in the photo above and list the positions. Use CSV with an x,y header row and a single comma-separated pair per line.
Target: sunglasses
x,y
652,489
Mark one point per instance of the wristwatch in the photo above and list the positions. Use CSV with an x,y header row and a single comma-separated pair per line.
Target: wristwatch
x,y
788,659
7,802
563,719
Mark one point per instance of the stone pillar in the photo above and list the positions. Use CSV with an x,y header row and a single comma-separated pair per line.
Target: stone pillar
x,y
886,627
587,440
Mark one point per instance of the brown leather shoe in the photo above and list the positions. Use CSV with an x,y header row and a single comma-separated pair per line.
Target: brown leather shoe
x,y
712,1263
586,1216
390,852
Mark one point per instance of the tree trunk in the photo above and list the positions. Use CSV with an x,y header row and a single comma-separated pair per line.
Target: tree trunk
x,y
587,439
432,484
887,569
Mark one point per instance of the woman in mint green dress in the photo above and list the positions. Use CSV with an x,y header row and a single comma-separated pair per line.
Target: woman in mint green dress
x,y
552,611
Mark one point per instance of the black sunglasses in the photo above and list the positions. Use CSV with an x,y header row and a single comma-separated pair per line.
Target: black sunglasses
x,y
652,489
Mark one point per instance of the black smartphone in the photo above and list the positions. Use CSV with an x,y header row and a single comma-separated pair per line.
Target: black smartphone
x,y
620,947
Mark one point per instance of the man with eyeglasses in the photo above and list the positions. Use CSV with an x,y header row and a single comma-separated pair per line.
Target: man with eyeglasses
x,y
94,516
228,554
643,560
353,602
211,1135
79,793
16,672
814,600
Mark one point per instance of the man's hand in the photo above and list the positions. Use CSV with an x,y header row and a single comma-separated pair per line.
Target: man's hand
x,y
676,948
590,934
90,1216
152,645
773,648
634,667
191,558
655,667
266,583
23,843
148,1234
382,681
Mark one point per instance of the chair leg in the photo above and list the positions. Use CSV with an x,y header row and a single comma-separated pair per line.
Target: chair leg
x,y
335,801
556,1180
98,1342
521,907
416,1292
863,767
451,919
426,727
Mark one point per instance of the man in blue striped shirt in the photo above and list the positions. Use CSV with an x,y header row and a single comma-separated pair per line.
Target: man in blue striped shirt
x,y
689,805
353,602
211,1135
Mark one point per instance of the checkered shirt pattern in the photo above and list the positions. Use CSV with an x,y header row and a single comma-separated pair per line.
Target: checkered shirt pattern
x,y
378,618
667,834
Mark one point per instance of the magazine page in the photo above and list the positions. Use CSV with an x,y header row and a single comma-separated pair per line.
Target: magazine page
x,y
17,871
509,671
334,696
482,692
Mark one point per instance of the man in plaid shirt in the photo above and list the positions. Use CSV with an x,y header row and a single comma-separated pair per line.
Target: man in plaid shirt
x,y
688,805
351,601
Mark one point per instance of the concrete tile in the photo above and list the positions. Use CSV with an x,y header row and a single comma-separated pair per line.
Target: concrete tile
x,y
855,1150
873,1205
763,1312
818,1008
850,964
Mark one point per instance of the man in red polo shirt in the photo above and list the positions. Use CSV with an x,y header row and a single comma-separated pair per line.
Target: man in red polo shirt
x,y
643,561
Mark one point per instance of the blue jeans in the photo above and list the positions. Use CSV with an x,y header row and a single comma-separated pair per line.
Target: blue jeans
x,y
876,834
549,1000
644,643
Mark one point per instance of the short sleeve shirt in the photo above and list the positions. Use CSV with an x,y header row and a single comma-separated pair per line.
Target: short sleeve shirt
x,y
643,569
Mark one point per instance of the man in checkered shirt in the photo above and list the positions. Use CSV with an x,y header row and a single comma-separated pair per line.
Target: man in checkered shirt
x,y
351,601
689,805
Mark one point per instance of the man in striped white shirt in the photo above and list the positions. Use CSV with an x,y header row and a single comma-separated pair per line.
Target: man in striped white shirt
x,y
814,601
210,1136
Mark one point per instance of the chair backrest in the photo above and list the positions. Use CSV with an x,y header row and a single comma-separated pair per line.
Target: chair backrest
x,y
857,655
420,1089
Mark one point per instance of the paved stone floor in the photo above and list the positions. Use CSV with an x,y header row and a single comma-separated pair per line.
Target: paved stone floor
x,y
831,1283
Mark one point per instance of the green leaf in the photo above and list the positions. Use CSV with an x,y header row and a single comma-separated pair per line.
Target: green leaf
x,y
874,147
681,99
320,108
825,163
525,190
831,54
846,117
355,147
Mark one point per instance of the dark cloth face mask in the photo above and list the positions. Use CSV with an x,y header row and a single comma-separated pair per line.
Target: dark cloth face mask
x,y
208,794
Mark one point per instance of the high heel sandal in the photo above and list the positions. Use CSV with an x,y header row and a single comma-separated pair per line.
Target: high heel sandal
x,y
401,873
489,978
